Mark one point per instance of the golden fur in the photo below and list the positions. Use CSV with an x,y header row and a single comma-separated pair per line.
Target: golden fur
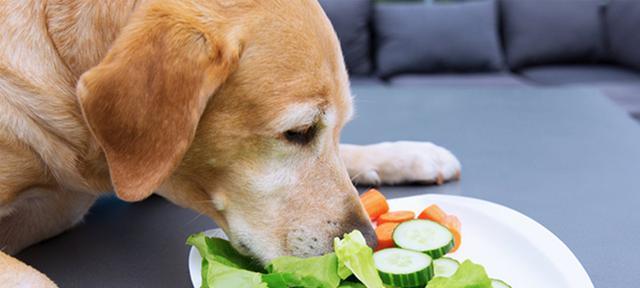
x,y
19,275
151,95
182,97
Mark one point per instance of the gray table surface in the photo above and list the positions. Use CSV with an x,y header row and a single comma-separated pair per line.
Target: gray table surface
x,y
569,159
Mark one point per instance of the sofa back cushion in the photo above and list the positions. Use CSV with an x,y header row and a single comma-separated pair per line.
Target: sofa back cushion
x,y
419,38
351,19
623,29
538,32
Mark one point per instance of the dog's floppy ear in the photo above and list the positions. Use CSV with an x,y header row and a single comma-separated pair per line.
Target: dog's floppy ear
x,y
143,101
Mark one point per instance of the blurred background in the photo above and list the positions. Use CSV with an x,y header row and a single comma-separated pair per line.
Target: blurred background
x,y
593,44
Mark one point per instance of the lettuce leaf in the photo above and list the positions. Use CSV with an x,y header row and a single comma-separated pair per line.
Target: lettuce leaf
x,y
221,275
354,256
220,250
321,271
283,280
347,284
468,275
223,266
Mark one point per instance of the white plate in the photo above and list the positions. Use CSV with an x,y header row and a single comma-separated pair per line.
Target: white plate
x,y
510,245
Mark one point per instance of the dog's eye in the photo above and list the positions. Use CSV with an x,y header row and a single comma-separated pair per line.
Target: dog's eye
x,y
301,136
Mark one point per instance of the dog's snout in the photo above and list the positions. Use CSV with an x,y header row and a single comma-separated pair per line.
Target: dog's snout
x,y
306,242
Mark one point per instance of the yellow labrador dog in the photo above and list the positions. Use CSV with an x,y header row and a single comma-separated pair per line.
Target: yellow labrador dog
x,y
230,107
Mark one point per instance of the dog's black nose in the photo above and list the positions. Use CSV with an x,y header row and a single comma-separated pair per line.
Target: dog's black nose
x,y
370,236
365,227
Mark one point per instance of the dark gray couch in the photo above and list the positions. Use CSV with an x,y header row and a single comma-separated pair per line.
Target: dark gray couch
x,y
503,43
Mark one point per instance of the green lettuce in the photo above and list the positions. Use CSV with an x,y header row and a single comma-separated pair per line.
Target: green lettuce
x,y
348,284
224,266
220,250
468,275
285,280
354,256
321,271
220,275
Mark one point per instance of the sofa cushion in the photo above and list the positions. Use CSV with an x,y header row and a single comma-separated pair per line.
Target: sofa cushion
x,y
417,38
351,20
459,80
576,74
623,22
538,32
366,81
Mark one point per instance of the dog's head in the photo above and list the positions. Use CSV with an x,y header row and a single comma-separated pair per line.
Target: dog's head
x,y
235,111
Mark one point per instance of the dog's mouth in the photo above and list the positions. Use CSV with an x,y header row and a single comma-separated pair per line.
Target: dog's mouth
x,y
263,250
298,241
243,248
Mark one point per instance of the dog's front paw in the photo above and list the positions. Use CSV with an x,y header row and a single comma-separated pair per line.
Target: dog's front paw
x,y
400,162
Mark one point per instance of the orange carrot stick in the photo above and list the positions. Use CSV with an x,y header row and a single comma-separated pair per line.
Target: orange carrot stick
x,y
384,233
433,213
396,217
375,203
453,224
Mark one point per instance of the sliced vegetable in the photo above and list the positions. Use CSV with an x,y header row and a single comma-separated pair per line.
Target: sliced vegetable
x,y
497,283
453,224
384,233
445,266
403,268
433,213
375,203
354,256
396,217
424,236
468,275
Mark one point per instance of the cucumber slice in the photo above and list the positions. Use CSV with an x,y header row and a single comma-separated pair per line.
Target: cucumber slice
x,y
403,268
424,236
445,266
497,283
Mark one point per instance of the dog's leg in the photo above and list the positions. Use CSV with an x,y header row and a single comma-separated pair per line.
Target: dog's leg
x,y
32,207
29,212
399,162
16,274
41,213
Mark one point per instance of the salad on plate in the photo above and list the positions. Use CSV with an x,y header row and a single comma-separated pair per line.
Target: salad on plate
x,y
411,252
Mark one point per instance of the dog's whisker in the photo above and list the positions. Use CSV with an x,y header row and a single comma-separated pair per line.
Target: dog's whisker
x,y
194,219
356,176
